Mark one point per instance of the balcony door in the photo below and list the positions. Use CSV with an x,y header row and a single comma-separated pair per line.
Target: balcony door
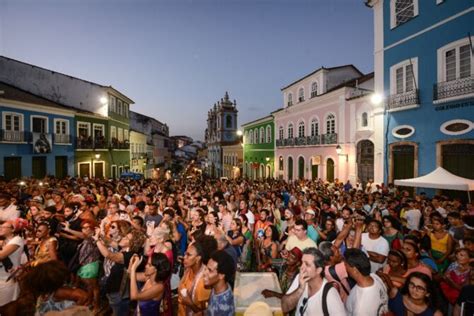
x,y
12,167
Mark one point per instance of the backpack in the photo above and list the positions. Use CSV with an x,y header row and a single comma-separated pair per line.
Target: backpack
x,y
326,289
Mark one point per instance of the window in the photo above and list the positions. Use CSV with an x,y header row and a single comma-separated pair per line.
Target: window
x,y
269,134
314,89
125,109
280,133
290,130
83,129
314,127
280,163
262,135
290,99
250,137
228,121
112,102
125,135
330,124
120,134
403,131
119,106
255,136
365,120
246,137
457,127
39,124
301,129
61,127
98,131
113,132
402,11
404,76
457,63
13,122
301,95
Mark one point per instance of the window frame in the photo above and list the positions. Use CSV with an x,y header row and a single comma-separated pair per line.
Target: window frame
x,y
441,60
113,132
88,128
393,75
21,122
393,17
301,128
268,134
46,125
281,133
326,121
314,92
94,125
290,99
292,134
314,121
261,135
112,103
443,126
301,94
60,120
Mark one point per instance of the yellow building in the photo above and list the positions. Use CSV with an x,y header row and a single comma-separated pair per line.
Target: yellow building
x,y
232,157
138,153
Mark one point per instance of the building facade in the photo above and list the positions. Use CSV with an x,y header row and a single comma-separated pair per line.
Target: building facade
x,y
326,126
221,130
232,160
138,153
36,136
259,148
424,68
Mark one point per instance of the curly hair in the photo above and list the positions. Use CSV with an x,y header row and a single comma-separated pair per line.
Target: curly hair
x,y
137,240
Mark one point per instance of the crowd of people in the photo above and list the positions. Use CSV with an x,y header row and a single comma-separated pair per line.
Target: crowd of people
x,y
173,247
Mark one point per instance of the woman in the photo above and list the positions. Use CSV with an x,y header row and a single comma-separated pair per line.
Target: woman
x,y
414,264
10,257
115,283
396,268
212,222
89,262
416,297
235,236
441,242
192,295
329,233
391,232
34,216
157,272
456,276
47,246
268,248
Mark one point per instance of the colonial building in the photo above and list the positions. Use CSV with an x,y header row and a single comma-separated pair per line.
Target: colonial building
x,y
232,160
326,128
259,148
102,116
221,130
36,135
424,68
138,153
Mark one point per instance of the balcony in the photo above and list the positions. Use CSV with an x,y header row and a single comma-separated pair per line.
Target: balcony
x,y
401,100
139,156
117,144
62,139
13,136
325,139
90,143
453,89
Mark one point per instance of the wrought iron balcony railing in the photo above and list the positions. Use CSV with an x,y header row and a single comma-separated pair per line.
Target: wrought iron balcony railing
x,y
401,100
62,138
453,88
90,143
13,136
325,139
117,144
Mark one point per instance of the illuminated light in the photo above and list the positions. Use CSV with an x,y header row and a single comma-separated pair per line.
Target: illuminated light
x,y
239,133
376,98
103,100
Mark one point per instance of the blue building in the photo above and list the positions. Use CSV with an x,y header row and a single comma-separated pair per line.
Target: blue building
x,y
35,135
424,68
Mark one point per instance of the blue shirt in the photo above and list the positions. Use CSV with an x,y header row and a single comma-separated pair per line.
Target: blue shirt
x,y
221,304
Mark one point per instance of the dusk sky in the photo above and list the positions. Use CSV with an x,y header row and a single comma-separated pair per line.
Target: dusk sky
x,y
176,58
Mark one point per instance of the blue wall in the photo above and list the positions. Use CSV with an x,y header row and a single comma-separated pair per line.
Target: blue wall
x,y
426,119
26,150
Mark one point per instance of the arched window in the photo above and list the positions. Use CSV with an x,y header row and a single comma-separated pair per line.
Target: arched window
x,y
301,95
290,99
255,136
290,130
330,124
280,133
246,137
262,135
250,137
365,120
314,89
228,121
301,129
314,127
269,134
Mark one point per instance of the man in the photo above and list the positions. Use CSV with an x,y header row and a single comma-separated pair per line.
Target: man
x,y
261,224
413,215
218,275
310,292
8,210
225,215
243,210
152,218
346,214
375,245
369,295
309,217
300,237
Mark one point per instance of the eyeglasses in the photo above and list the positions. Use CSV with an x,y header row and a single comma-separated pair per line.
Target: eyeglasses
x,y
417,288
304,306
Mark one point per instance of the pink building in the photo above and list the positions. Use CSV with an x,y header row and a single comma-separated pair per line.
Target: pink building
x,y
326,128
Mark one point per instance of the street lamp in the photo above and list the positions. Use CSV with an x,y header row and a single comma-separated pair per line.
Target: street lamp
x,y
376,98
239,133
267,159
97,156
339,151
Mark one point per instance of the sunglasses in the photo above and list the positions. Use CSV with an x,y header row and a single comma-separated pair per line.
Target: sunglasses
x,y
304,306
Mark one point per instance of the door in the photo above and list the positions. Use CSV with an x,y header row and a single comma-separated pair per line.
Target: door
x,y
114,172
38,167
99,170
290,168
314,172
365,161
330,170
12,167
61,166
404,164
301,168
84,170
459,159
269,171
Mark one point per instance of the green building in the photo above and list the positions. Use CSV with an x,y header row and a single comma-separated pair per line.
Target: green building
x,y
259,148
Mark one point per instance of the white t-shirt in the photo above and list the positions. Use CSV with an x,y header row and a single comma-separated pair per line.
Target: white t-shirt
x,y
250,218
372,300
379,245
413,218
8,213
314,304
10,290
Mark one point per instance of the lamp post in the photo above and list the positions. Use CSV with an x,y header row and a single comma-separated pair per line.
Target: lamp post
x,y
339,151
97,157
